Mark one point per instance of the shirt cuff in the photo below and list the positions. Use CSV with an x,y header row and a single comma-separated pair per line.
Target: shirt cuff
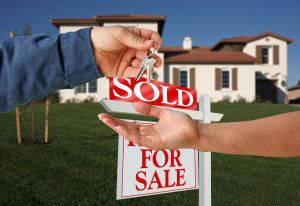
x,y
78,57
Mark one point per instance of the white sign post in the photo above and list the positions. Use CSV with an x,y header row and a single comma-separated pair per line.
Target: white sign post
x,y
174,165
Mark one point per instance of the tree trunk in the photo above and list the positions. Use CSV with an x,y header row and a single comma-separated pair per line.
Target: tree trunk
x,y
48,99
18,125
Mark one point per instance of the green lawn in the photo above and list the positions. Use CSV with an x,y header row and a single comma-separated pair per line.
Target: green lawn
x,y
79,166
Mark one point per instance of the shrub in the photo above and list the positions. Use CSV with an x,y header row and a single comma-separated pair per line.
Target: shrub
x,y
226,99
89,100
240,99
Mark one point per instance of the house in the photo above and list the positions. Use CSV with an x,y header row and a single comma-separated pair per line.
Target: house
x,y
294,94
237,68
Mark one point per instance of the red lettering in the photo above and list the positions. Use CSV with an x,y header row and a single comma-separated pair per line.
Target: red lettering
x,y
130,144
141,180
155,179
175,154
144,157
180,176
166,158
167,179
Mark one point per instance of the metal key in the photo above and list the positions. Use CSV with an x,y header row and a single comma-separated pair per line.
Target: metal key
x,y
147,64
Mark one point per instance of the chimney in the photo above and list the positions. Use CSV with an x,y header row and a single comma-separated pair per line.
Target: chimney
x,y
187,43
11,34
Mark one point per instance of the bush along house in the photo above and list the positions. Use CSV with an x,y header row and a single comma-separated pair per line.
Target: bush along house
x,y
234,69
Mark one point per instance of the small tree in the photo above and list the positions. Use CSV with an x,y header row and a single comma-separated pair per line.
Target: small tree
x,y
27,32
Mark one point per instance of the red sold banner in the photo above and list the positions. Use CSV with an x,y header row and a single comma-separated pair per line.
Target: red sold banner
x,y
154,92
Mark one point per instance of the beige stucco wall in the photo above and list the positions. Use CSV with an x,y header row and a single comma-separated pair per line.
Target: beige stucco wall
x,y
205,81
270,70
151,26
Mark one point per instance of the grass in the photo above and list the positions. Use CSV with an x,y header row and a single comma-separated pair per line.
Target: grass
x,y
79,166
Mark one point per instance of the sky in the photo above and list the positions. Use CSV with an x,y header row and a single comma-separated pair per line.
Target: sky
x,y
205,22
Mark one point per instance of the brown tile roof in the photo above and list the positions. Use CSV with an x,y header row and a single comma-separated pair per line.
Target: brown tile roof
x,y
99,19
180,49
131,17
89,21
173,49
212,57
294,87
246,39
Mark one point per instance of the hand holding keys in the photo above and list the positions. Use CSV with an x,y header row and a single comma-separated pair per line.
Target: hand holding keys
x,y
147,64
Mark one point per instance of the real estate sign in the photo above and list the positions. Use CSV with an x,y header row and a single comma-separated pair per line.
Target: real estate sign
x,y
142,171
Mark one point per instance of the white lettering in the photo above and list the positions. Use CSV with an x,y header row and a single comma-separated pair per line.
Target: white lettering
x,y
123,87
180,98
137,91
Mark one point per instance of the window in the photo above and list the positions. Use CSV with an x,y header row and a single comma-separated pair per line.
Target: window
x,y
81,88
90,87
265,55
93,86
183,78
225,79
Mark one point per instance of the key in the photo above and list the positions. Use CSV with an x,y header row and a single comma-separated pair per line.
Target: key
x,y
147,64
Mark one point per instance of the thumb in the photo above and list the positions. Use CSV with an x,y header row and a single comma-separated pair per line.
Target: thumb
x,y
134,41
147,109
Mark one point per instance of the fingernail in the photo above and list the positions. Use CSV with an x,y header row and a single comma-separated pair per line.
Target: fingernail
x,y
148,42
100,116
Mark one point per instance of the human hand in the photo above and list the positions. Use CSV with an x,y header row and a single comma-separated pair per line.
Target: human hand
x,y
173,130
118,50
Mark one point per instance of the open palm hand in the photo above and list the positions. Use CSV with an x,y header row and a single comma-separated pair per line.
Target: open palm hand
x,y
173,130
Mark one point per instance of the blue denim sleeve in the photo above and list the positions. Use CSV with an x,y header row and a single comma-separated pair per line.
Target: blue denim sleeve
x,y
33,67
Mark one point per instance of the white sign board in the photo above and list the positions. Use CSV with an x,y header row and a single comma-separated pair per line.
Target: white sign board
x,y
142,171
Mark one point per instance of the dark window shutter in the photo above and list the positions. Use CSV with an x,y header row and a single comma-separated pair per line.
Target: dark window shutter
x,y
175,76
192,78
234,79
258,54
276,55
217,79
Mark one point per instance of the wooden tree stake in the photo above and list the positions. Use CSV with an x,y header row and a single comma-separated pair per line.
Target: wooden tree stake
x,y
18,125
48,99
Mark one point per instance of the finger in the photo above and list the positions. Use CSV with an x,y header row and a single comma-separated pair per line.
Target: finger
x,y
149,34
111,121
158,60
147,109
126,61
131,71
130,39
136,63
141,54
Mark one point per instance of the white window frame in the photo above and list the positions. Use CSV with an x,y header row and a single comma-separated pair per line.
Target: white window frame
x,y
270,55
188,75
230,79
